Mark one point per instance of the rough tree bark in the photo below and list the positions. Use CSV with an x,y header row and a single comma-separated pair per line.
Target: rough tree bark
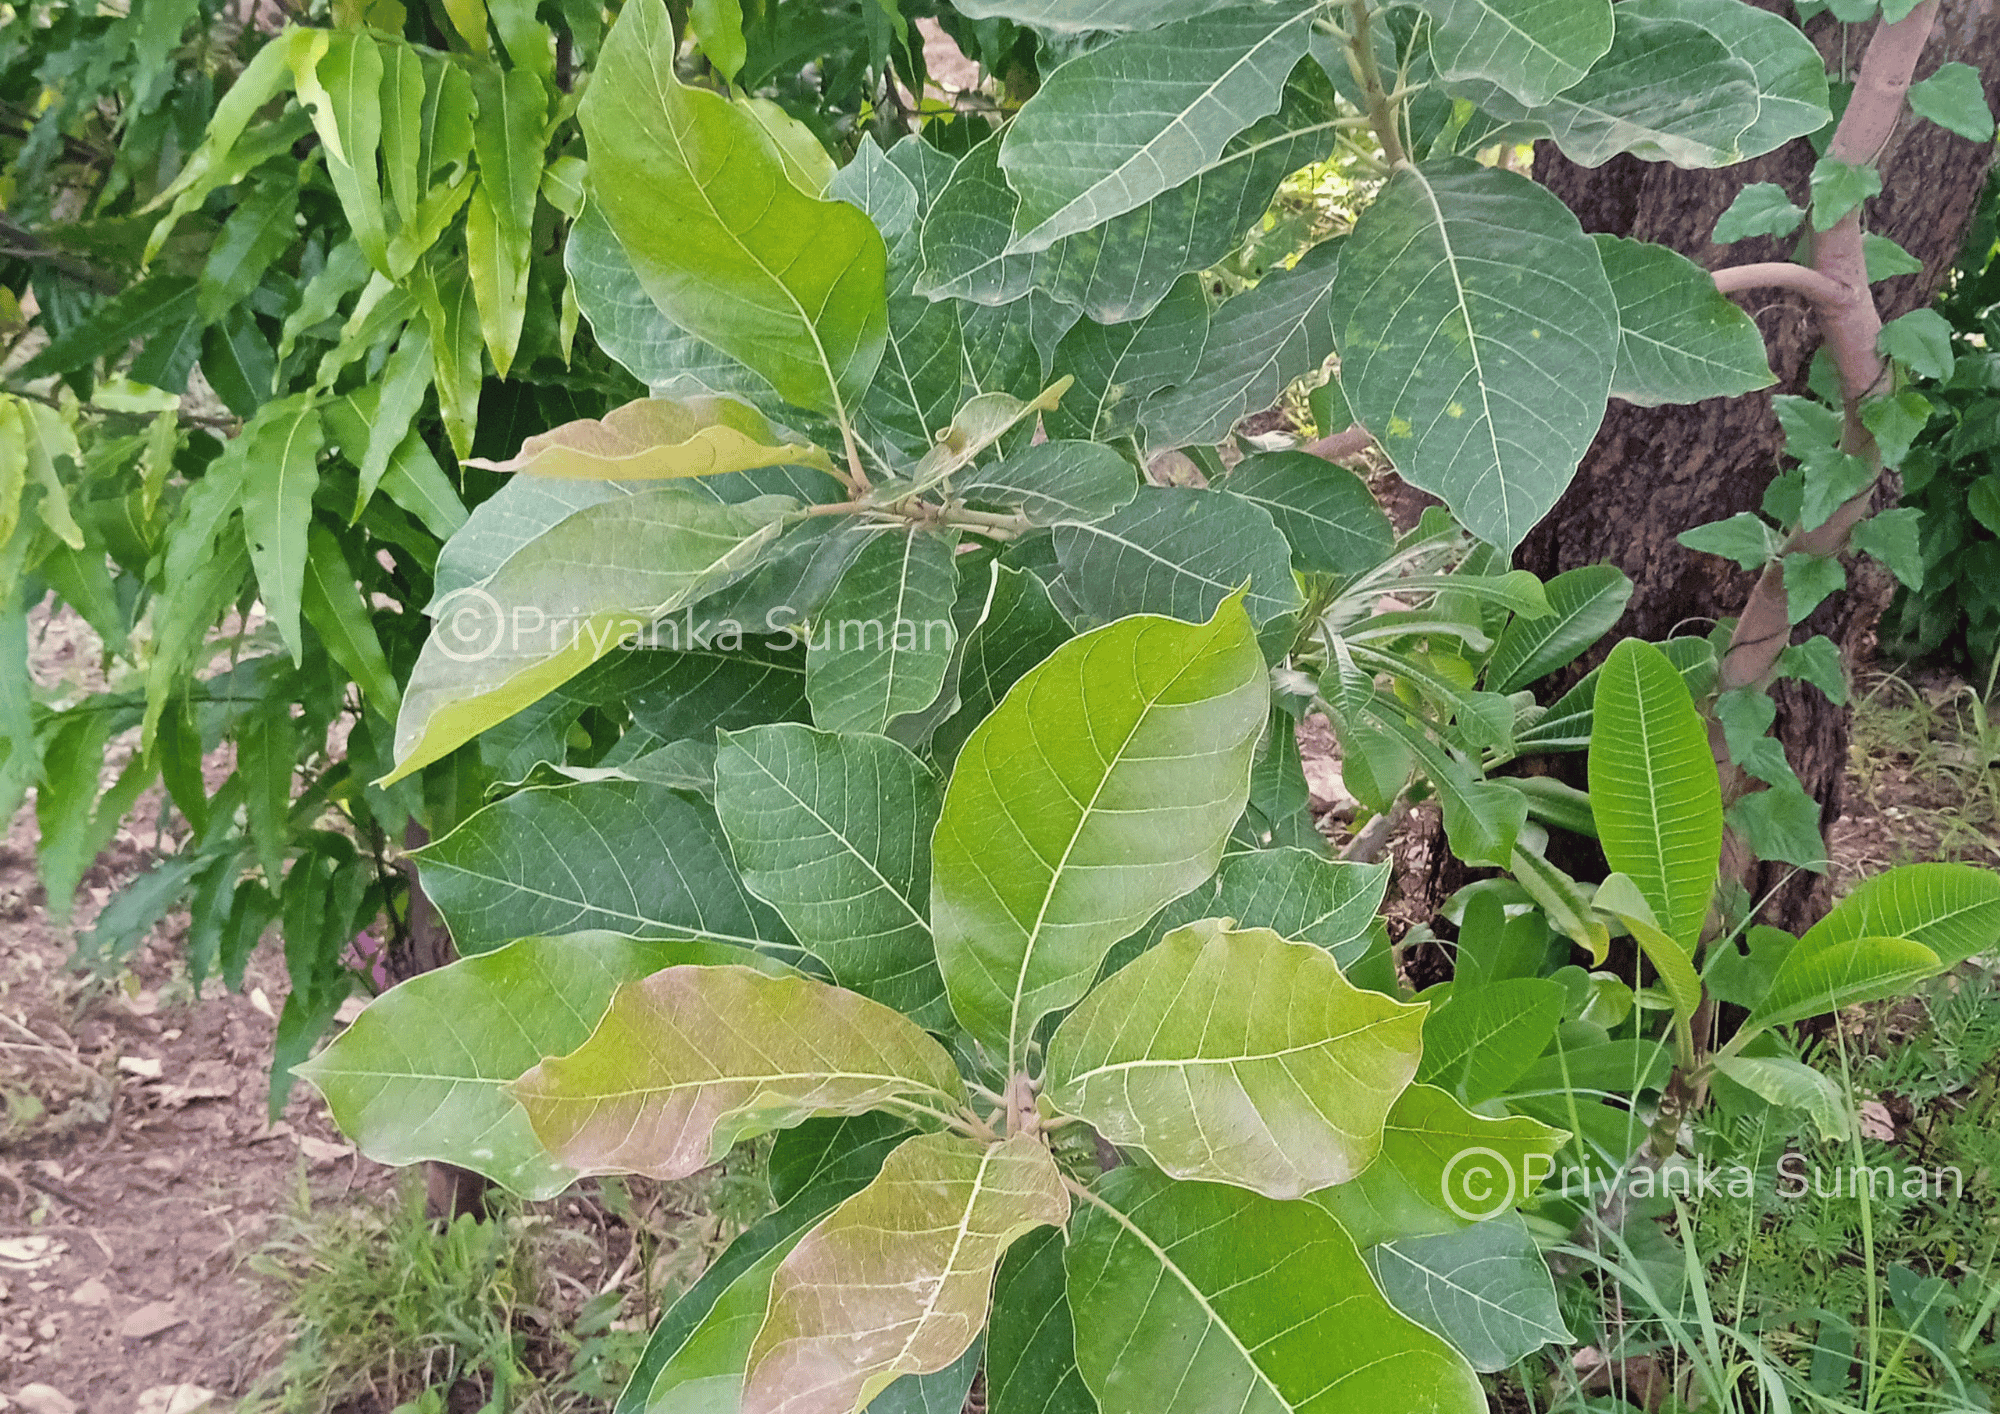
x,y
1654,472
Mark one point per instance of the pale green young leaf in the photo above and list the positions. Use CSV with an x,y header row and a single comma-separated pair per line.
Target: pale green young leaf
x,y
1809,579
406,1090
282,448
622,856
1679,339
1485,1289
1182,92
658,439
443,291
897,1280
717,26
402,129
1760,209
692,1059
1103,785
1654,788
1921,341
1839,187
1952,909
339,81
1583,605
499,223
834,833
1795,1086
1189,1297
1237,1057
880,647
1480,342
698,194
1834,972
1532,49
1954,99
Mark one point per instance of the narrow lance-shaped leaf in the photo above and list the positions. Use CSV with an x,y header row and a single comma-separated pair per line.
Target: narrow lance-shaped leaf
x,y
1654,789
693,1059
1192,1297
1952,909
565,599
499,223
339,81
277,505
1479,340
407,1089
1237,1057
701,199
896,1280
1103,785
1835,972
834,832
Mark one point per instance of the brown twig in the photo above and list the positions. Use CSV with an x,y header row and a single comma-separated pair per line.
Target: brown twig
x,y
1342,445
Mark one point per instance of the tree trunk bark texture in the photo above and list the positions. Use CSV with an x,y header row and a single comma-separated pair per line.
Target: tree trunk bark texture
x,y
1654,472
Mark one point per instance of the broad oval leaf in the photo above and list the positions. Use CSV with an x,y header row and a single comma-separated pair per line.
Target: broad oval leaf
x,y
1194,1297
1054,481
896,1280
1477,1043
566,598
834,832
1329,516
625,856
1791,76
405,1089
1583,605
1441,1168
1533,49
1103,785
653,439
702,198
1478,341
1181,93
1952,909
1083,16
1837,972
1237,1057
1484,1289
1031,1345
1018,627
1654,789
692,1059
880,648
1680,340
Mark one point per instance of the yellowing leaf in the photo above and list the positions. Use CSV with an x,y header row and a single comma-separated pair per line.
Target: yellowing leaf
x,y
656,439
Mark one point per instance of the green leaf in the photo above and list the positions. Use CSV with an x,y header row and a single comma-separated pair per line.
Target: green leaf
x,y
705,1373
717,26
1480,346
618,855
257,232
219,161
1818,662
1745,538
880,648
1840,187
1583,605
1257,344
1031,1345
1054,481
699,194
1018,627
1895,421
1118,366
499,221
1953,98
1192,1297
283,444
1118,272
1654,788
402,103
406,1090
1782,823
1836,971
563,600
1795,1086
1894,538
1680,340
1533,49
1182,92
1441,1168
833,831
1103,785
1791,76
941,1214
1619,897
334,606
1921,341
1809,579
1083,16
443,291
692,1059
1237,1057
1486,1290
1181,553
1327,513
1760,209
1885,259
1952,909
339,79
1477,1044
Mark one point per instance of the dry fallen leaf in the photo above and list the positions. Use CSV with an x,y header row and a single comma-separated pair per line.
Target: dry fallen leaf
x,y
1876,1121
321,1152
145,1067
174,1399
261,1003
150,1320
91,1293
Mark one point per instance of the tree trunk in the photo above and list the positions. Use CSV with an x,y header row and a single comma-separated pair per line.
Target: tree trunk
x,y
1654,472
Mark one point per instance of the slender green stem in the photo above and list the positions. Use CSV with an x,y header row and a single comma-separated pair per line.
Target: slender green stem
x,y
1383,112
